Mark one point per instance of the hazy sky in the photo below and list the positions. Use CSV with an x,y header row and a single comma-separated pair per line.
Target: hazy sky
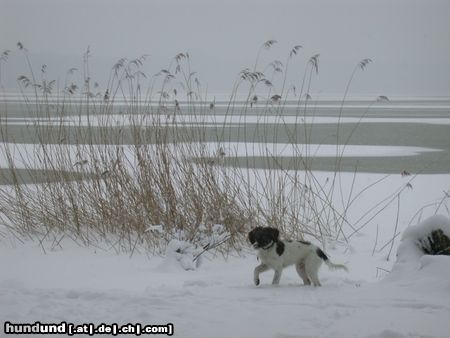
x,y
408,40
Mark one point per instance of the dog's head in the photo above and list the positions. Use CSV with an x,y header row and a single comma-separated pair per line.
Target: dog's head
x,y
262,238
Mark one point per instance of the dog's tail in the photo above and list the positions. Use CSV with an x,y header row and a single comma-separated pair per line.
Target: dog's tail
x,y
331,265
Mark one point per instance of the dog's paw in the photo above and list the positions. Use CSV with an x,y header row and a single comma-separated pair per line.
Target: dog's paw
x,y
256,280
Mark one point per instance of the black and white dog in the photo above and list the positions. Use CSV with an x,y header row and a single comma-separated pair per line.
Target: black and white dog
x,y
276,254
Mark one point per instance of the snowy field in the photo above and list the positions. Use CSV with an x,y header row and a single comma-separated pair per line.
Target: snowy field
x,y
96,285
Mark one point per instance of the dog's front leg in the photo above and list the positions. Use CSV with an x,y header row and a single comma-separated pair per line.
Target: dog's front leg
x,y
260,268
277,276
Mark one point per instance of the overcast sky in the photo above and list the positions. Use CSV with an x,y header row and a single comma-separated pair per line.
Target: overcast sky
x,y
408,40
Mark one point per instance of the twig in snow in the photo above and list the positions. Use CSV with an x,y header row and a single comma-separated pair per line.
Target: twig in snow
x,y
209,247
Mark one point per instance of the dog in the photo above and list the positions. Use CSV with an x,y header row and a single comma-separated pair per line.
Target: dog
x,y
276,254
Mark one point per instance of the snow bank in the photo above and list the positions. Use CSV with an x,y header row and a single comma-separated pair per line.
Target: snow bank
x,y
414,237
413,267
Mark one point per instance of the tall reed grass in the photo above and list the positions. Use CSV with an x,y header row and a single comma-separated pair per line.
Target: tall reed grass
x,y
150,150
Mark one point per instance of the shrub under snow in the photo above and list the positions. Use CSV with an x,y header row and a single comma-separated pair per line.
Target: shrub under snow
x,y
414,265
188,252
417,240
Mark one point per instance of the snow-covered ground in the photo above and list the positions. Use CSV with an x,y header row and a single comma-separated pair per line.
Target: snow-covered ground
x,y
94,285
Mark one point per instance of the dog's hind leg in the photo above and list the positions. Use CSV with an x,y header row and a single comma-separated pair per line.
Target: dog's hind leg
x,y
300,267
277,276
312,265
259,269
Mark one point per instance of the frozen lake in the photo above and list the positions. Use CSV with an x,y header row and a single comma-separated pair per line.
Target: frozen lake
x,y
381,137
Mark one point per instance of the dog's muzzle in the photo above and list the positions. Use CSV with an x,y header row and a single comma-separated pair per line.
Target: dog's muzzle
x,y
266,247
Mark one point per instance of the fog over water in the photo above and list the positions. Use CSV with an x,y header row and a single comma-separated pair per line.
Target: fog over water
x,y
408,40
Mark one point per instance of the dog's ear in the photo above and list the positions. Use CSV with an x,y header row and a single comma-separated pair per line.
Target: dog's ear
x,y
251,236
274,234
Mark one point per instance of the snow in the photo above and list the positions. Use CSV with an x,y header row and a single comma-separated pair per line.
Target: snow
x,y
314,150
30,155
430,270
423,229
218,298
188,253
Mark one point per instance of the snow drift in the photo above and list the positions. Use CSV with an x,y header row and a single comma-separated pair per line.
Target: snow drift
x,y
421,271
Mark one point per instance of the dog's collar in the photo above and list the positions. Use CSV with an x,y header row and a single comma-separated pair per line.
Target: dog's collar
x,y
269,246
